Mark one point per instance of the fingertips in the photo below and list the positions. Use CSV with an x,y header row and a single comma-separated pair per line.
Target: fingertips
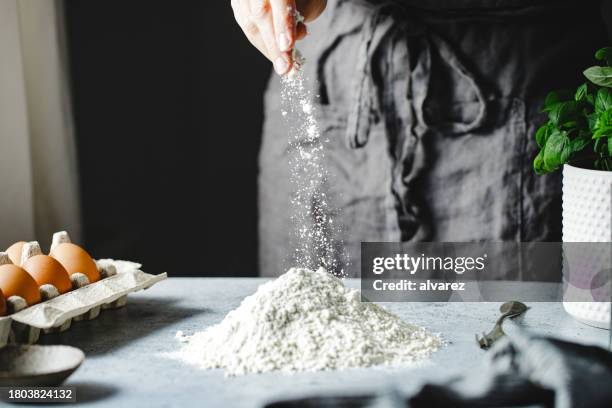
x,y
262,16
284,23
282,64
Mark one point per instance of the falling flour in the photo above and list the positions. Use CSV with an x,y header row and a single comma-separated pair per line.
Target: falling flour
x,y
306,321
315,241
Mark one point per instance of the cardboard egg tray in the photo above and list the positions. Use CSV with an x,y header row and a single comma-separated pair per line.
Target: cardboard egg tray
x,y
57,313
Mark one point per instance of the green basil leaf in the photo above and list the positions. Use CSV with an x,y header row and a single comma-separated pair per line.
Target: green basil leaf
x,y
602,122
601,76
553,114
604,54
542,135
551,99
538,163
563,112
590,99
556,97
565,154
603,101
592,121
605,118
557,151
579,144
610,146
603,131
581,92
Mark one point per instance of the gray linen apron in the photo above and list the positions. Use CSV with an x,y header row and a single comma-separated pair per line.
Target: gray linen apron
x,y
430,112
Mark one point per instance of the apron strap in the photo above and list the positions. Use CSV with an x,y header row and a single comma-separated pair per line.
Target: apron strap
x,y
451,58
367,108
404,101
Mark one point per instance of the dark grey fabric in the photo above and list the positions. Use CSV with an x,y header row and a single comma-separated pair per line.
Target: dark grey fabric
x,y
527,370
430,119
519,371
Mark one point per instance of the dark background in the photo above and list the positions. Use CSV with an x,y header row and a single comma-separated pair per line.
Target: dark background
x,y
168,108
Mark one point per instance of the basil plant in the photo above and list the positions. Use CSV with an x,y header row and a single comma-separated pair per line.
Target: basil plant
x,y
579,126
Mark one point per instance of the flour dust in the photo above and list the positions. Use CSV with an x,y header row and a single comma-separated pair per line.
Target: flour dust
x,y
316,238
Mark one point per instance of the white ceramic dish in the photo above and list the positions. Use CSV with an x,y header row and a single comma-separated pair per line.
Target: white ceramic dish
x,y
33,365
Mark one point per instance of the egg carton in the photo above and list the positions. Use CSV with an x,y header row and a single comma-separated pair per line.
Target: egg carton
x,y
85,302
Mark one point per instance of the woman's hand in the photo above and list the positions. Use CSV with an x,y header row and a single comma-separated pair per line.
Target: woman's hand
x,y
270,26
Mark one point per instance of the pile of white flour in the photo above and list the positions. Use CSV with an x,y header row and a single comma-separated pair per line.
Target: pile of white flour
x,y
306,321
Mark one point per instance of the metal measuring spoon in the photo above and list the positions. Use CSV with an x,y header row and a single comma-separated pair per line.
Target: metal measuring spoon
x,y
509,310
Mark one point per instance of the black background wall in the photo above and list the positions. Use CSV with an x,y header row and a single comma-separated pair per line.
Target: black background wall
x,y
167,99
168,108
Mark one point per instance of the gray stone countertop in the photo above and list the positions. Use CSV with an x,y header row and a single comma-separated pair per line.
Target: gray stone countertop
x,y
124,368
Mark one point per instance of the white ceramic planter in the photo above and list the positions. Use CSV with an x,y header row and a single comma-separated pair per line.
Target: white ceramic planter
x,y
587,217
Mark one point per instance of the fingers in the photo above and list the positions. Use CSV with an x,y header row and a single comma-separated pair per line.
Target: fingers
x,y
270,26
261,15
284,23
249,28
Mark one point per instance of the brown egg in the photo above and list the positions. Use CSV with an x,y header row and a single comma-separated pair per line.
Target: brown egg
x,y
14,252
47,270
15,281
2,304
76,259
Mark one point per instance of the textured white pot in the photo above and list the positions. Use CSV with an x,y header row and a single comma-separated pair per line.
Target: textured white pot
x,y
587,217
